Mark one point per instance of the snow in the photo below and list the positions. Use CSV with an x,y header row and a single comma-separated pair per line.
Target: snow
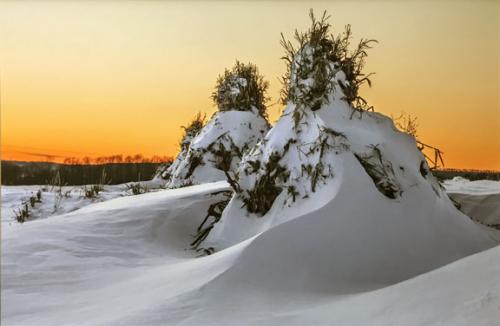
x,y
124,262
109,258
478,187
57,200
241,129
421,214
53,201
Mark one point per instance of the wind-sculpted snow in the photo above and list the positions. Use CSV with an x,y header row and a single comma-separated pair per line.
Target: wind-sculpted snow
x,y
124,262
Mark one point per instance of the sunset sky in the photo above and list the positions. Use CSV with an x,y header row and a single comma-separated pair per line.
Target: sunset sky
x,y
90,78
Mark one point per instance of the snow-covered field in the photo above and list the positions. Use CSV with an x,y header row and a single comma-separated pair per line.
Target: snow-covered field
x,y
124,261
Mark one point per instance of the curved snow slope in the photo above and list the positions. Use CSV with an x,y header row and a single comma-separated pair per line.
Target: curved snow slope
x,y
345,247
466,292
123,262
242,129
106,261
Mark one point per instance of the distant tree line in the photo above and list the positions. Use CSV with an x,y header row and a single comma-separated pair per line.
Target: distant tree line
x,y
39,173
137,158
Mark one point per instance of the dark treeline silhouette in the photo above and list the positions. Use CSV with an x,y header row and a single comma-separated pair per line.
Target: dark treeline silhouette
x,y
40,173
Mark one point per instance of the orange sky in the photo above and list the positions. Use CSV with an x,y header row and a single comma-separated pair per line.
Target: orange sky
x,y
98,78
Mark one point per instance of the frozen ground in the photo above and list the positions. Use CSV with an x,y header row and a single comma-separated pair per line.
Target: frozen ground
x,y
124,262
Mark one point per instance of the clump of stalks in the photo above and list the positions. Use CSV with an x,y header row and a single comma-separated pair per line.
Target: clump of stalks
x,y
23,213
92,191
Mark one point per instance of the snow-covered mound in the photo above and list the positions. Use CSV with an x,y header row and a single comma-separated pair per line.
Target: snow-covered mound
x,y
218,148
240,122
343,199
351,170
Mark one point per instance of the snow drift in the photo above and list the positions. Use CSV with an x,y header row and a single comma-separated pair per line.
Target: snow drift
x,y
336,194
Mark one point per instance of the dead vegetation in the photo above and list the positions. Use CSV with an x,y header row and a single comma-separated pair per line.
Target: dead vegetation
x,y
380,171
92,191
23,212
272,175
311,69
260,198
408,124
136,188
192,130
213,216
242,88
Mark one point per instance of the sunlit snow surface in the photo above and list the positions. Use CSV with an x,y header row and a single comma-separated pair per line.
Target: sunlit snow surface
x,y
124,261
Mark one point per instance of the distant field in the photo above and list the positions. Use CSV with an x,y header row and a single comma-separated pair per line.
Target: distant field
x,y
38,173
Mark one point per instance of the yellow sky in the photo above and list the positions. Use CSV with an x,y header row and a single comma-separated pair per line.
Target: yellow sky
x,y
96,78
